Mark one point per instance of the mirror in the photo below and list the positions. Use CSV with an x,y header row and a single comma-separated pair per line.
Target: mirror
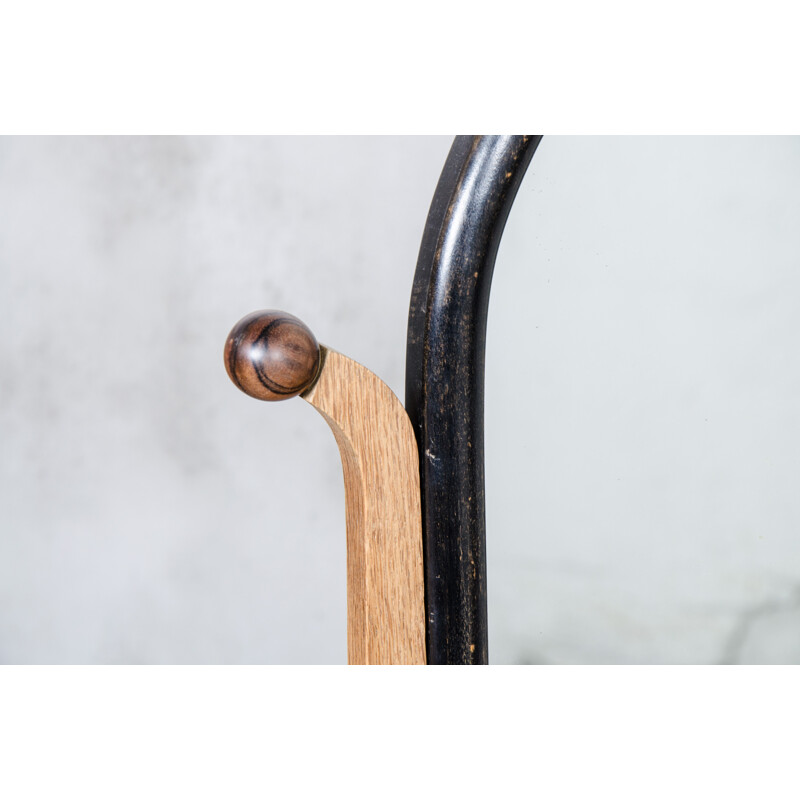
x,y
642,415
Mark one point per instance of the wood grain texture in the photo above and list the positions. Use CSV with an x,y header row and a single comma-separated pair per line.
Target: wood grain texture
x,y
385,591
271,355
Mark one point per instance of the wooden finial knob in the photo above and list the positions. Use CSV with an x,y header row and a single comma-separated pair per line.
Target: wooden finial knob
x,y
271,355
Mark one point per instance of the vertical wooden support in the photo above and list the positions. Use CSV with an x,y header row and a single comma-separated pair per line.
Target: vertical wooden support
x,y
271,355
385,604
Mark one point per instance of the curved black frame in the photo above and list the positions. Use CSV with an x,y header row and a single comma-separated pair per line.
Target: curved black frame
x,y
445,359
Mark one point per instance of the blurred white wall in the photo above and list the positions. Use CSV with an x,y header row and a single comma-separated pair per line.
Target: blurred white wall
x,y
642,385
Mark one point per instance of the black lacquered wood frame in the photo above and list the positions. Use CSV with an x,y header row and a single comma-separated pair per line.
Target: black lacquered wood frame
x,y
445,382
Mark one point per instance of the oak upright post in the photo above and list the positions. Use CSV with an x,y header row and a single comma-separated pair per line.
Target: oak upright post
x,y
272,355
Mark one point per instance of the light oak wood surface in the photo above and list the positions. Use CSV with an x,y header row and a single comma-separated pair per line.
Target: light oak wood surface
x,y
272,356
385,592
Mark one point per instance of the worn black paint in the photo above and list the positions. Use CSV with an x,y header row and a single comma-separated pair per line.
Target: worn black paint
x,y
444,382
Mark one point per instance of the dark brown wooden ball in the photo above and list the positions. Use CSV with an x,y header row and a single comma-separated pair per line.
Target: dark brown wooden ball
x,y
271,355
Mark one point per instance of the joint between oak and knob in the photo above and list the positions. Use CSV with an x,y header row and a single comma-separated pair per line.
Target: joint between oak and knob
x,y
272,355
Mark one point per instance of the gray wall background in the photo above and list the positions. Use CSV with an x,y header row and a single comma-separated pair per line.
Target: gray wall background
x,y
642,395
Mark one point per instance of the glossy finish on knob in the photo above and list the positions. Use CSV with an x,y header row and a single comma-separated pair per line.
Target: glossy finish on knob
x,y
272,355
